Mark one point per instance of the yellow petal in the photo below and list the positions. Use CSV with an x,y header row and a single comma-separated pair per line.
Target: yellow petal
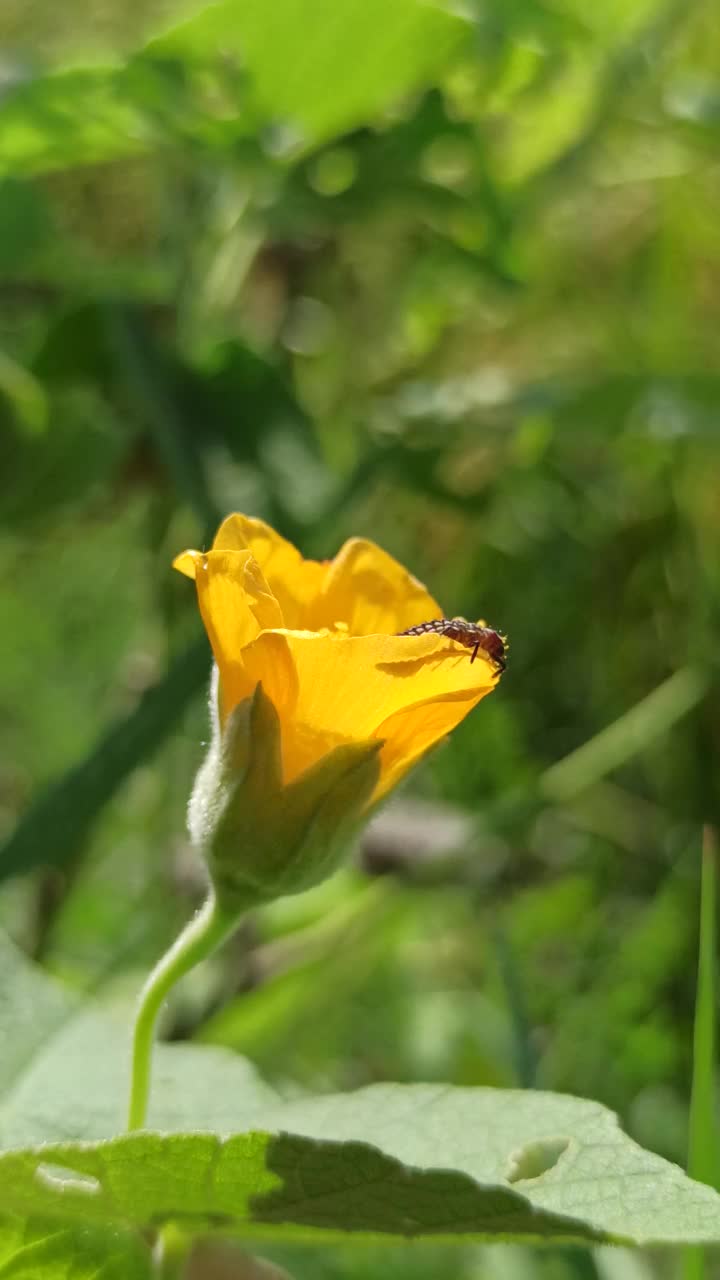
x,y
371,593
410,733
332,687
186,562
294,581
236,605
270,664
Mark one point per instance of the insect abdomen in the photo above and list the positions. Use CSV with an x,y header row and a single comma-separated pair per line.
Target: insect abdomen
x,y
469,634
439,625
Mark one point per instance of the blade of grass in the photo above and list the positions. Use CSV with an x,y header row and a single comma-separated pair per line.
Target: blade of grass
x,y
620,741
702,1146
524,1053
140,364
54,828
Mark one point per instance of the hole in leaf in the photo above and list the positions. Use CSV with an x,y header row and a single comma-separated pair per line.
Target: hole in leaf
x,y
62,1180
536,1158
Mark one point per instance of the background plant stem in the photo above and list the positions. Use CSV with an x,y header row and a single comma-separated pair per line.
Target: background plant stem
x,y
702,1145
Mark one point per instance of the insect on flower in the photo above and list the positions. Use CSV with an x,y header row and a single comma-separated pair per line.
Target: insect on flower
x,y
469,634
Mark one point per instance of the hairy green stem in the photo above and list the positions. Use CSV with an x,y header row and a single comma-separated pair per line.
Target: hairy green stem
x,y
201,936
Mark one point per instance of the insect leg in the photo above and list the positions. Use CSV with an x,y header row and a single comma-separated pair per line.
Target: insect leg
x,y
475,652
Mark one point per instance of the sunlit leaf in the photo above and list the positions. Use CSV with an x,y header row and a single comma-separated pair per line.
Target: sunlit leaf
x,y
302,73
390,1160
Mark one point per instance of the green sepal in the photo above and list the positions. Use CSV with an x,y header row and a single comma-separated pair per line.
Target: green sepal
x,y
262,839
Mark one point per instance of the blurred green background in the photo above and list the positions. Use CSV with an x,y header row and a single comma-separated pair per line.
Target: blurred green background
x,y
444,275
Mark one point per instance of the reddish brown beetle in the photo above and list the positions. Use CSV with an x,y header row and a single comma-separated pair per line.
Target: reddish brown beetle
x,y
468,634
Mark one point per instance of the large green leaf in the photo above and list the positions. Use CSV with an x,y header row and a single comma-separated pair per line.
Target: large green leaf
x,y
313,69
414,1161
389,1160
325,65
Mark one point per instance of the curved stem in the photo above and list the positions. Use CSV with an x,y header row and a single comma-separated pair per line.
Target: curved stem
x,y
171,1251
208,928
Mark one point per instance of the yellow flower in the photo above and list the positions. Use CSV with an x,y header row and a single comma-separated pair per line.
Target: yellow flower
x,y
319,706
321,637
